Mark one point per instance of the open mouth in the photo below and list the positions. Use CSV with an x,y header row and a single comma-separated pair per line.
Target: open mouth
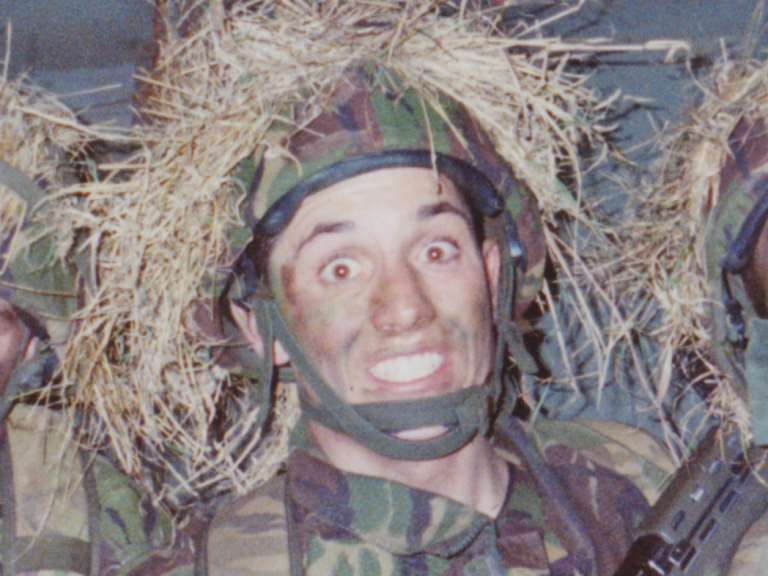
x,y
407,368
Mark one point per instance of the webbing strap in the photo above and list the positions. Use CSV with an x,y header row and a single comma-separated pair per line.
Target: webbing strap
x,y
53,552
756,375
295,554
91,557
8,539
571,528
512,335
20,183
397,416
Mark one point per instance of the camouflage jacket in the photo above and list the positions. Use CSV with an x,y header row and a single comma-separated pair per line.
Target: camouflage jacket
x,y
345,524
66,512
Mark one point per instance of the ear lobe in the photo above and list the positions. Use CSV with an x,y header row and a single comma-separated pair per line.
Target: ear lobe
x,y
279,354
249,328
31,348
492,263
246,323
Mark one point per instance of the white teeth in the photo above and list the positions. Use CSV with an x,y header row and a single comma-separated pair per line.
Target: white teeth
x,y
407,368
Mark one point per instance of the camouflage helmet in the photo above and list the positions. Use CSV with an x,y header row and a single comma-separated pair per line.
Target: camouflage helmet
x,y
38,284
368,120
736,247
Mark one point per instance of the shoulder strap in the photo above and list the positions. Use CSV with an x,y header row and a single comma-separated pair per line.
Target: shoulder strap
x,y
94,512
756,369
9,504
295,557
573,532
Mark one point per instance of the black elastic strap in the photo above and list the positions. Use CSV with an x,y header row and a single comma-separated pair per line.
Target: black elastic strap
x,y
742,248
738,255
8,540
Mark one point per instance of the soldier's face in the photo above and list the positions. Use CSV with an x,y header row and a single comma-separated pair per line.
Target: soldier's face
x,y
386,288
11,335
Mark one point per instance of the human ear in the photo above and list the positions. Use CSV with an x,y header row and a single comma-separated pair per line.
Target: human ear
x,y
31,348
492,263
279,355
246,323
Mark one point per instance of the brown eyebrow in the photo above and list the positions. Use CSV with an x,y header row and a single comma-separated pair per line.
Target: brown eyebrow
x,y
325,228
443,207
427,211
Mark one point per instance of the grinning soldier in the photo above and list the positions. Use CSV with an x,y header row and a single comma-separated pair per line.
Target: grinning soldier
x,y
393,253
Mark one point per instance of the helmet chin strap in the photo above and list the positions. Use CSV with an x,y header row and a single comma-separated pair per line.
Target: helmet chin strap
x,y
465,413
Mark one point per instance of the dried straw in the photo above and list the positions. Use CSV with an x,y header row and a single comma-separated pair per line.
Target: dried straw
x,y
161,223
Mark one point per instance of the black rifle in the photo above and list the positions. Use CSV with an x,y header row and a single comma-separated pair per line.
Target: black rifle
x,y
699,520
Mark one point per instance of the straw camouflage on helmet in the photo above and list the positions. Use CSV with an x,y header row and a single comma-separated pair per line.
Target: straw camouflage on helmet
x,y
735,242
64,511
370,120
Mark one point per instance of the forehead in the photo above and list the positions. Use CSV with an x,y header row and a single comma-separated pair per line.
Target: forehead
x,y
398,194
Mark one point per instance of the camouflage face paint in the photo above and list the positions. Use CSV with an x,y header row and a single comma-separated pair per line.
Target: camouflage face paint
x,y
385,287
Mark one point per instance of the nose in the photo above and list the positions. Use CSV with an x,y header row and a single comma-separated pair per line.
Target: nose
x,y
400,302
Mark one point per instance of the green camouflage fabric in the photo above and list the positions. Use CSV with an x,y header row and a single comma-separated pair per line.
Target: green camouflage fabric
x,y
369,110
70,513
345,524
34,276
742,182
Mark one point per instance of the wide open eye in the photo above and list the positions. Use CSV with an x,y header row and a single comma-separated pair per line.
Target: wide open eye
x,y
439,251
340,269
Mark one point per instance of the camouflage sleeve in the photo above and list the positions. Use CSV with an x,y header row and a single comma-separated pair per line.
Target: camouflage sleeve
x,y
248,535
637,456
137,537
751,558
609,472
624,450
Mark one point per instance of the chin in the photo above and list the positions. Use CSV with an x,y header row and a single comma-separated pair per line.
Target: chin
x,y
426,433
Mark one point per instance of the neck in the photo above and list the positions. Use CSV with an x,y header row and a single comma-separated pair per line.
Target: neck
x,y
474,475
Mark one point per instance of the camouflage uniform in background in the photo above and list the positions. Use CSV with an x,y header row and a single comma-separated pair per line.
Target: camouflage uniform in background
x,y
343,524
64,511
736,249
